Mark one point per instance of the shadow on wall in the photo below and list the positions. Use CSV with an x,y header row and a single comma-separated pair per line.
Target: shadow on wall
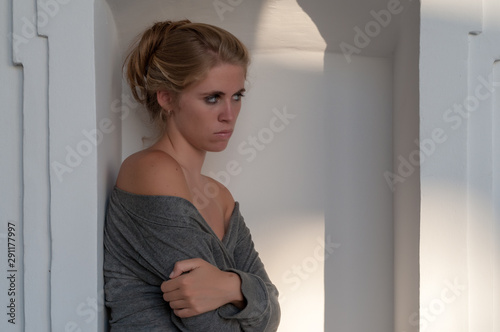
x,y
228,14
366,28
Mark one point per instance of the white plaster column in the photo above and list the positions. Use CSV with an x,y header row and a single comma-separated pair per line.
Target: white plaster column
x,y
483,231
30,51
11,177
75,271
52,168
459,230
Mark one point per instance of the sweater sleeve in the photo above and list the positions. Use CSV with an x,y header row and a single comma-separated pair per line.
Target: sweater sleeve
x,y
262,312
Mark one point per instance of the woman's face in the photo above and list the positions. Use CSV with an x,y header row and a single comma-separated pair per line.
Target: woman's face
x,y
207,110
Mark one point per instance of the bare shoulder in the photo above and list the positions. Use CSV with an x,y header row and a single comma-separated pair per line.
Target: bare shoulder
x,y
224,197
153,172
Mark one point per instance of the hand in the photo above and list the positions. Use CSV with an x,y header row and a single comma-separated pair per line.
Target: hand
x,y
196,287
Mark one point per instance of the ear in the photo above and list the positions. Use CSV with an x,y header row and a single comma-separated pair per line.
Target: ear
x,y
165,99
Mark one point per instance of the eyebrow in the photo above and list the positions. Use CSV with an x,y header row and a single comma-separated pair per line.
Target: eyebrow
x,y
211,93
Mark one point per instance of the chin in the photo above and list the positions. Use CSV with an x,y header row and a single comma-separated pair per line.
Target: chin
x,y
217,148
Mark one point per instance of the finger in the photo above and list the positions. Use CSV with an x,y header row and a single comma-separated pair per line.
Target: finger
x,y
175,295
178,305
165,287
185,313
184,266
174,285
170,285
182,313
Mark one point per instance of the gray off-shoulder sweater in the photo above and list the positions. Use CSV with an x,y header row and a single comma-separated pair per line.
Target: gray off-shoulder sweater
x,y
145,236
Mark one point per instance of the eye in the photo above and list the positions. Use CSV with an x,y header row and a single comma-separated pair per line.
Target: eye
x,y
212,99
238,96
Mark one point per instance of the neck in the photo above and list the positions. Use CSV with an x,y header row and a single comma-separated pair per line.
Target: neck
x,y
190,158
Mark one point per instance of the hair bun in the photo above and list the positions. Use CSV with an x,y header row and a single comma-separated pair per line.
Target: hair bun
x,y
140,57
153,38
159,31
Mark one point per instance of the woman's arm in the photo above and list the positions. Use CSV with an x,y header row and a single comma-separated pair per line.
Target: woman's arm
x,y
196,286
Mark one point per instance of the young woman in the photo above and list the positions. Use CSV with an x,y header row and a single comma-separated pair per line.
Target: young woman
x,y
178,255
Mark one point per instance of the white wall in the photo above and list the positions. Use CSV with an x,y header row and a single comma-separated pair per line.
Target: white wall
x,y
358,204
52,167
74,204
459,255
35,186
11,177
110,111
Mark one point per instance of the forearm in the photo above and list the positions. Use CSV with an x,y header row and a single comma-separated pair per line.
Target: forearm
x,y
261,311
235,295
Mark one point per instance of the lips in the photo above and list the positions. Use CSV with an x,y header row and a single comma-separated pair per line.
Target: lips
x,y
225,134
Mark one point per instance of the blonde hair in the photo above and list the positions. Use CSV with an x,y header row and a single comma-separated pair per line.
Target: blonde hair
x,y
172,55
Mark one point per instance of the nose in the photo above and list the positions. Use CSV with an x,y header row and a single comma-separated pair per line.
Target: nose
x,y
229,112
